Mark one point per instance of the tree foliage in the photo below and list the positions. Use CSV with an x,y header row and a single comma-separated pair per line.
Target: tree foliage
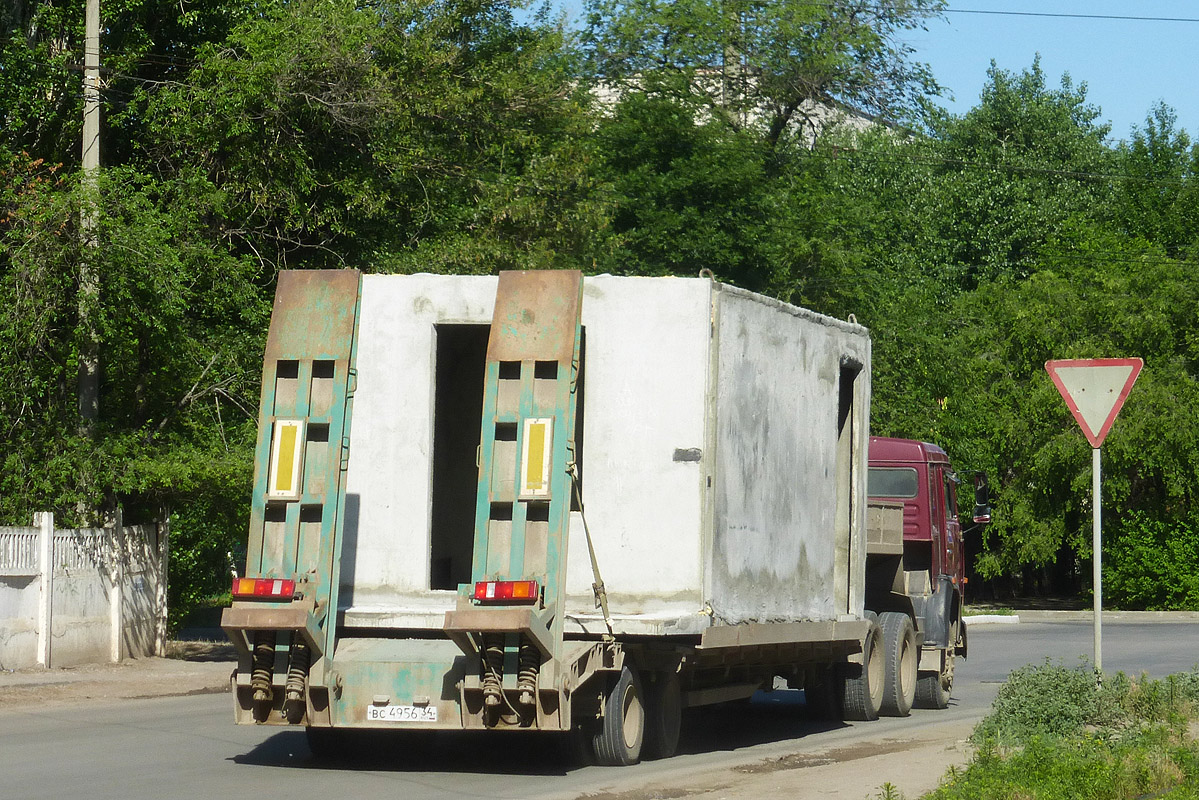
x,y
466,136
751,63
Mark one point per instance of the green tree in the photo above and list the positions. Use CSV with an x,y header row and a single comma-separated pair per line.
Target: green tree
x,y
179,375
766,65
144,44
349,135
1157,198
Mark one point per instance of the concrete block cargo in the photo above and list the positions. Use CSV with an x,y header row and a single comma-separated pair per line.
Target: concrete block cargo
x,y
544,502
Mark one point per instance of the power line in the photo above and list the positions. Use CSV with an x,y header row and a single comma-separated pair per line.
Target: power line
x,y
1059,15
1000,13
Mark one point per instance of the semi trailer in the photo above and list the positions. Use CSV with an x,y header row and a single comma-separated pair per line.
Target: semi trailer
x,y
543,502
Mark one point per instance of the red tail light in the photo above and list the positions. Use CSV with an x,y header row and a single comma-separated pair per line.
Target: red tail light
x,y
507,591
264,588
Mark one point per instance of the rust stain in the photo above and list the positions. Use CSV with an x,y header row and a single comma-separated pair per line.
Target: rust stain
x,y
520,332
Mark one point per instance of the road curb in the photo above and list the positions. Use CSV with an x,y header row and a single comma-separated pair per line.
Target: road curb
x,y
1086,615
992,619
1082,615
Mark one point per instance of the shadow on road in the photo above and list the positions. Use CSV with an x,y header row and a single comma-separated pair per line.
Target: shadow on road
x,y
769,717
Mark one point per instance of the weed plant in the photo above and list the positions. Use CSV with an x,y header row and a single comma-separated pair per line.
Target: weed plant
x,y
1052,733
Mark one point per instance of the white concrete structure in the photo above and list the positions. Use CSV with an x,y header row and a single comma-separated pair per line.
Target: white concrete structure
x,y
70,597
723,452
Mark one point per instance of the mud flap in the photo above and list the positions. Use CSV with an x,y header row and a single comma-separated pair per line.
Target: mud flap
x,y
939,615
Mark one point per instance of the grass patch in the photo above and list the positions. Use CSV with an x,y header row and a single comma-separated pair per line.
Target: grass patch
x,y
1002,611
1053,734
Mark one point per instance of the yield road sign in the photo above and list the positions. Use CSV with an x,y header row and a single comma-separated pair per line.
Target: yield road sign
x,y
1095,390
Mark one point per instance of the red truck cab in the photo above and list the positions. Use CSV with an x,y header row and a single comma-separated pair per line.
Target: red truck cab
x,y
918,474
922,573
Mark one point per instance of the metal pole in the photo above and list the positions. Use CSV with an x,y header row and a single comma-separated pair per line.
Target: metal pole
x,y
1097,545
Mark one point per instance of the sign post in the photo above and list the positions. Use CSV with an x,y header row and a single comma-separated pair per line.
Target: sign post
x,y
1095,390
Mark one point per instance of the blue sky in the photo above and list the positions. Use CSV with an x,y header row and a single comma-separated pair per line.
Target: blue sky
x,y
1127,65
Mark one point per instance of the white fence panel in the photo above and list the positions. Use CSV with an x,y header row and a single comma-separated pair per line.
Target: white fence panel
x,y
101,598
18,551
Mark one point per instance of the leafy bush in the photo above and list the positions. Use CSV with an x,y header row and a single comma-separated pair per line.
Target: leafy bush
x,y
208,538
1045,699
1154,763
1150,564
1052,733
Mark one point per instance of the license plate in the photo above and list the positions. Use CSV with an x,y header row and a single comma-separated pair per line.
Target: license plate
x,y
401,713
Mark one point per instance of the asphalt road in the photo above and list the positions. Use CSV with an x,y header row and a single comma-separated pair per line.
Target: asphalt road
x,y
189,746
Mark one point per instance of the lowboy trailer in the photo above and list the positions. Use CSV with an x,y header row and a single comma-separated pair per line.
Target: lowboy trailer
x,y
543,502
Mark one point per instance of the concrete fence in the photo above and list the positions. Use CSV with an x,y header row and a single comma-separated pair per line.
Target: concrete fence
x,y
81,596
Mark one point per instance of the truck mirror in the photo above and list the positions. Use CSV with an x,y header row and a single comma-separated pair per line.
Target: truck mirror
x,y
982,499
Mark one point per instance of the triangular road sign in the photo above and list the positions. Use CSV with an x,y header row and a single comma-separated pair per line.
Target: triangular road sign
x,y
1095,390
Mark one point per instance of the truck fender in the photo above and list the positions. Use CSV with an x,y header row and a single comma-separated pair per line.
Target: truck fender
x,y
940,612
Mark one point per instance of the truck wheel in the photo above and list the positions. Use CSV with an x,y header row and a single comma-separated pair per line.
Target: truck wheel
x,y
933,687
821,695
863,683
617,743
663,716
899,647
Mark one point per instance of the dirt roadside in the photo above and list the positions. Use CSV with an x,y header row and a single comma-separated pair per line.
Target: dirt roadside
x,y
191,668
857,771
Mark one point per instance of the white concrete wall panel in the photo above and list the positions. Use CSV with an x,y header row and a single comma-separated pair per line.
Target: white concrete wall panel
x,y
82,612
646,383
774,542
647,355
82,627
389,482
18,621
767,553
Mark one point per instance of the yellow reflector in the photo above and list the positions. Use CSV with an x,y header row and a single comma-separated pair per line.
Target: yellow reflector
x,y
535,458
286,456
287,452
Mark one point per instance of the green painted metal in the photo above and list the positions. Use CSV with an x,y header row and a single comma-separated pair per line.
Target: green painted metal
x,y
531,371
405,672
308,374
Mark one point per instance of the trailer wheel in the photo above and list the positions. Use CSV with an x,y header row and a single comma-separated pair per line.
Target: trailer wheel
x,y
862,684
899,647
618,741
663,715
933,687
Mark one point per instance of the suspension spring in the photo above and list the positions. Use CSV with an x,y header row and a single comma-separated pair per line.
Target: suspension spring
x,y
526,677
263,666
297,672
493,668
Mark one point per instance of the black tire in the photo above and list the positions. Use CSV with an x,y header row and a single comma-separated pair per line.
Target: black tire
x,y
900,654
621,733
934,686
822,696
862,684
663,716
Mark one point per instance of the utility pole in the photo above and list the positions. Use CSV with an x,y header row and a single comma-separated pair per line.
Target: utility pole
x,y
89,279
